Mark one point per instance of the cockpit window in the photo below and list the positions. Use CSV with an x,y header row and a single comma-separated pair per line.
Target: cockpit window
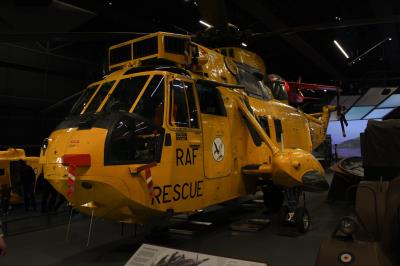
x,y
183,109
179,108
151,104
133,140
125,94
193,115
99,97
83,100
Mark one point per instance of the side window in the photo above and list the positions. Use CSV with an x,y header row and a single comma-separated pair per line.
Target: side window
x,y
193,114
278,129
210,100
264,125
183,110
179,109
151,104
99,97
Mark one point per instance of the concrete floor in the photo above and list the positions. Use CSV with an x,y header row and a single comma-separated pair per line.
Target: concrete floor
x,y
109,247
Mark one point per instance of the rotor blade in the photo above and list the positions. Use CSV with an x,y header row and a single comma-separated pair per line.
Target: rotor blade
x,y
60,36
330,26
213,12
62,101
311,86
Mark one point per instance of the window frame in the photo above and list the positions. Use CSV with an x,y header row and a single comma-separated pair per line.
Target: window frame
x,y
170,102
136,102
220,99
98,84
97,91
116,81
105,100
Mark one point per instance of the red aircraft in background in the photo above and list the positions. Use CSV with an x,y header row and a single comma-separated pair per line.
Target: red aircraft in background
x,y
293,91
293,94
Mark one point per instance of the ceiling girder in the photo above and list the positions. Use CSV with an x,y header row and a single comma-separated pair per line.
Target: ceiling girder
x,y
260,11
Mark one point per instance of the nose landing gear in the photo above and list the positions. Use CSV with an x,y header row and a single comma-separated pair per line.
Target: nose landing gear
x,y
295,213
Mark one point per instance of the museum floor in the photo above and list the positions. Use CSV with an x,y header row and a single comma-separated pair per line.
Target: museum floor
x,y
109,247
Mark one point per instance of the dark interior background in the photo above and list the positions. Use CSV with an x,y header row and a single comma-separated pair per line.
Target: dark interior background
x,y
51,49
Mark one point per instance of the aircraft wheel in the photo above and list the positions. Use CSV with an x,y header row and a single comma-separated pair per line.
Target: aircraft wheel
x,y
302,219
283,216
273,198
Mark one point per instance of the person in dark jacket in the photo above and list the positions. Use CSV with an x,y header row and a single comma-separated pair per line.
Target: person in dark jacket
x,y
28,181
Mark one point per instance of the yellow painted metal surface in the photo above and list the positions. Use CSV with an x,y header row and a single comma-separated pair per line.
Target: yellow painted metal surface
x,y
245,57
193,172
13,155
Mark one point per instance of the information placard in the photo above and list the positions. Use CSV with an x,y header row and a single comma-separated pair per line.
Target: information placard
x,y
151,255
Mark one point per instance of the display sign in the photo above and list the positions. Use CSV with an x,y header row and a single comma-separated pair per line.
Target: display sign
x,y
151,255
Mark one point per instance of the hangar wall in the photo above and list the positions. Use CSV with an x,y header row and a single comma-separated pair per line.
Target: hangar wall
x,y
31,80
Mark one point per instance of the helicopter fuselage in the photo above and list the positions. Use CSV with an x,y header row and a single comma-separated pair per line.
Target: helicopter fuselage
x,y
146,141
199,165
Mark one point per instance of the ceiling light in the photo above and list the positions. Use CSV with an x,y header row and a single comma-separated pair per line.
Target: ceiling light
x,y
244,44
205,24
390,38
340,48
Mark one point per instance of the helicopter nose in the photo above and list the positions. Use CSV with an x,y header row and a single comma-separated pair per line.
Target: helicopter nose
x,y
313,181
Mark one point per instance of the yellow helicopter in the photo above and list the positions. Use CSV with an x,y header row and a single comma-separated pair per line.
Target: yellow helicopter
x,y
8,160
177,127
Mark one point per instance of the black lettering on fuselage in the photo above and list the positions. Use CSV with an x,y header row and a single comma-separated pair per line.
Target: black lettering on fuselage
x,y
183,191
193,152
179,155
169,193
188,159
165,194
156,195
189,156
194,190
177,192
199,193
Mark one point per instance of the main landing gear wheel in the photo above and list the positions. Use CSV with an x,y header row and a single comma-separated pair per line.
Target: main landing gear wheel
x,y
273,198
302,219
298,218
283,216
